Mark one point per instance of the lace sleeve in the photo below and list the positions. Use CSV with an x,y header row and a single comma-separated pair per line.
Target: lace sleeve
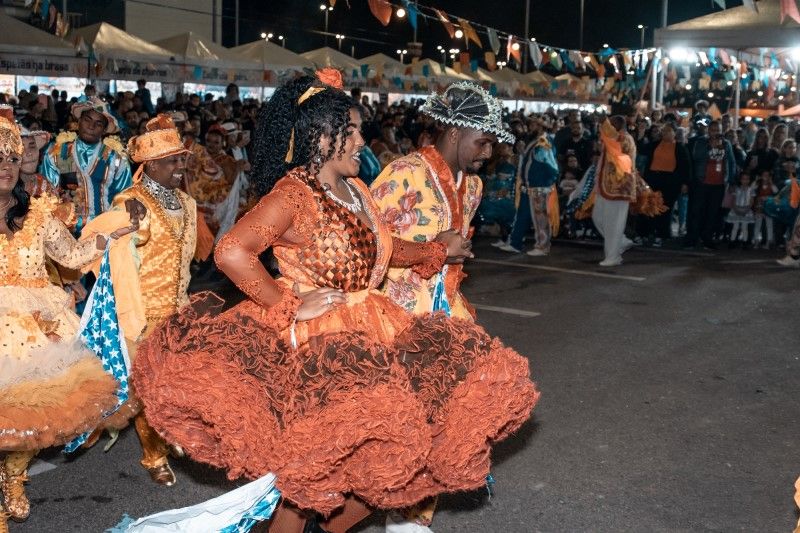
x,y
424,258
237,253
61,246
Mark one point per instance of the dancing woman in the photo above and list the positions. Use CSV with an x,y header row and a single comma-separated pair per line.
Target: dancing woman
x,y
51,387
352,402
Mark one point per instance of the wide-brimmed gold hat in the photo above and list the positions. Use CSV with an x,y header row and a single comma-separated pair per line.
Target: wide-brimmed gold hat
x,y
160,140
10,140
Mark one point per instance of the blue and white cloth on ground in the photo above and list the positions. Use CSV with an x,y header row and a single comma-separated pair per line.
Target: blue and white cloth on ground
x,y
236,511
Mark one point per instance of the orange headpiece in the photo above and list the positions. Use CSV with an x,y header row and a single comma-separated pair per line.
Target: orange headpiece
x,y
10,140
160,140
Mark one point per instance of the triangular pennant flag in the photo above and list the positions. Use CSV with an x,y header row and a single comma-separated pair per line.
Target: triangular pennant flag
x,y
463,58
470,32
491,60
751,4
494,41
510,49
536,54
382,10
412,11
555,60
726,59
473,65
720,3
448,26
789,9
457,67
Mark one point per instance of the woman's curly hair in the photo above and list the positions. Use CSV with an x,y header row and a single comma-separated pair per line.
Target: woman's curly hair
x,y
20,208
325,113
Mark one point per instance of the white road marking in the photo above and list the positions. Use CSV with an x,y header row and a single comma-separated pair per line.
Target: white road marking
x,y
39,467
673,251
556,269
747,261
506,310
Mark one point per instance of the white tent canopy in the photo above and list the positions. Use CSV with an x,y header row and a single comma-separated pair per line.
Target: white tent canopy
x,y
437,70
19,37
271,56
328,57
389,64
197,50
110,42
738,28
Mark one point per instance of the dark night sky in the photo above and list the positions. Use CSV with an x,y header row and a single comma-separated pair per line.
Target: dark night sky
x,y
553,22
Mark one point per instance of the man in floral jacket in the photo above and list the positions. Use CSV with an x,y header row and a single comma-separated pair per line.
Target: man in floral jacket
x,y
436,190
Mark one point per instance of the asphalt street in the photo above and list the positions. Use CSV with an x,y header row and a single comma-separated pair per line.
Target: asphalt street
x,y
669,403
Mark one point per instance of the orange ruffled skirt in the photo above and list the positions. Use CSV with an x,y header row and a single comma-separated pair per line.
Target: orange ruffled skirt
x,y
375,402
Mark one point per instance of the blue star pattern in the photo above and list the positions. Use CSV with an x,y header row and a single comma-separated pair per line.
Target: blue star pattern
x,y
101,334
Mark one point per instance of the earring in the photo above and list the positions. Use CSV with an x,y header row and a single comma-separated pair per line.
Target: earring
x,y
318,159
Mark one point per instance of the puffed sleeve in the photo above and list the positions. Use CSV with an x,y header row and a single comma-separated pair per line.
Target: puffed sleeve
x,y
424,258
237,253
62,247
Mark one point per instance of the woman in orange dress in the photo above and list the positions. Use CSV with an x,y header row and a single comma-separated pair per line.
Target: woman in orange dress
x,y
353,403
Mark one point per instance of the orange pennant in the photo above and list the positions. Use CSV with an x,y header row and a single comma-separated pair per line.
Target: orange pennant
x,y
491,60
470,32
448,26
382,11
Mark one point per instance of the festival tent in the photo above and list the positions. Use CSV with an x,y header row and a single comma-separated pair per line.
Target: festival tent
x,y
436,70
18,37
382,61
539,77
194,49
272,56
328,57
109,42
738,28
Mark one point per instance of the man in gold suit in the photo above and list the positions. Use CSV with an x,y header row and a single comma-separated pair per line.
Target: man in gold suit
x,y
152,265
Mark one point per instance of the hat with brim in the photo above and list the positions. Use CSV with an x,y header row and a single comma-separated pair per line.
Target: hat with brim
x,y
699,103
466,105
160,140
95,104
41,137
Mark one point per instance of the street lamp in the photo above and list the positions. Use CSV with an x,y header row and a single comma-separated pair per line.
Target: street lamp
x,y
459,34
642,29
502,64
402,54
443,52
282,40
340,38
327,10
453,52
263,35
401,13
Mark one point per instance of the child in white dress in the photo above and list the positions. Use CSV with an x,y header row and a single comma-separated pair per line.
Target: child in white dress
x,y
741,214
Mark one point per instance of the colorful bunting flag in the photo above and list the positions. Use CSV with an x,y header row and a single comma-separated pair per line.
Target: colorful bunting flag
x,y
491,60
382,10
536,54
720,3
510,49
751,4
494,41
448,26
470,32
411,9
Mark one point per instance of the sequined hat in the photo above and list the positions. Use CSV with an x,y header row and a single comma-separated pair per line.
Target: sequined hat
x,y
41,137
10,140
160,140
466,105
